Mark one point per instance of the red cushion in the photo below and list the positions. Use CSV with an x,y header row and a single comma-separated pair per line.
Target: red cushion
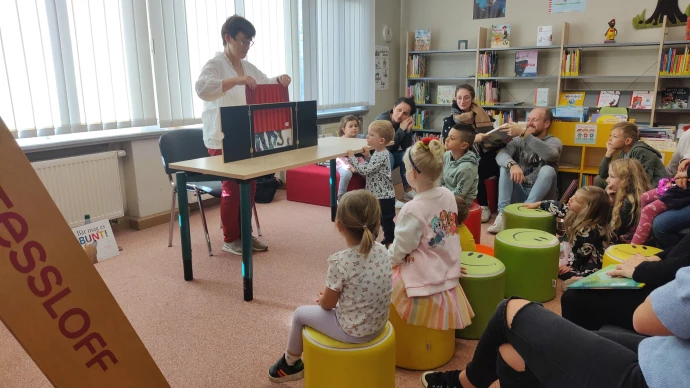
x,y
474,222
309,184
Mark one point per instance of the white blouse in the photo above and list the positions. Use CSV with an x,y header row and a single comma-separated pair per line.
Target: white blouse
x,y
209,87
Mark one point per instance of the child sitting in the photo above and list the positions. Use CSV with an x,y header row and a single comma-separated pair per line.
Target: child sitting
x,y
354,306
587,234
425,254
656,201
625,141
377,170
349,127
460,164
626,184
467,243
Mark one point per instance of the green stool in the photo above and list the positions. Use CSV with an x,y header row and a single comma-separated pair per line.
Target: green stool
x,y
518,216
484,286
531,260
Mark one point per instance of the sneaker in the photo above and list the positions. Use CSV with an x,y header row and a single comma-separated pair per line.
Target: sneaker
x,y
281,372
398,204
258,245
409,195
486,214
450,379
234,247
498,224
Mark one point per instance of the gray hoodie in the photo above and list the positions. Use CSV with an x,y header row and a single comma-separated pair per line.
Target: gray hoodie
x,y
530,154
461,176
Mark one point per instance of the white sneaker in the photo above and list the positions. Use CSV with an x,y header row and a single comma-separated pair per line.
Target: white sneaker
x,y
409,195
398,204
486,214
498,224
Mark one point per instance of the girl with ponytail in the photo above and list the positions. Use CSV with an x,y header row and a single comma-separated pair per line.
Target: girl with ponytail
x,y
358,282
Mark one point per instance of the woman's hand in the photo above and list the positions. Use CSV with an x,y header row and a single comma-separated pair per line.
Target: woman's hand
x,y
533,205
627,268
247,81
512,129
284,80
407,124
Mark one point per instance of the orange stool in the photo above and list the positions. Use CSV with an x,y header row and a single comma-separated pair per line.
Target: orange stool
x,y
485,250
474,222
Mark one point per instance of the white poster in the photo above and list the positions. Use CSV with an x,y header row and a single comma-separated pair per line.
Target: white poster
x,y
100,236
382,59
560,6
585,134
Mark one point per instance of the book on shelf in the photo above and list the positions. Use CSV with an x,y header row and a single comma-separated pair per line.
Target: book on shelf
x,y
501,116
541,97
608,98
544,36
662,132
661,145
572,62
572,99
416,66
487,92
587,180
576,114
422,40
641,99
419,91
526,63
495,139
674,98
500,36
445,94
672,62
600,280
421,118
608,118
488,64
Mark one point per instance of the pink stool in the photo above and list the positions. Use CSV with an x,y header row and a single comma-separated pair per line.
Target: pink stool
x,y
310,184
474,222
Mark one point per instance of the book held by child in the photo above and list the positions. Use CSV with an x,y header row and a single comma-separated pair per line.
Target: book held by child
x,y
600,280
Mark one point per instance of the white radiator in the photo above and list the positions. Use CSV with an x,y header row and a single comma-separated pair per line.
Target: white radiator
x,y
86,184
329,130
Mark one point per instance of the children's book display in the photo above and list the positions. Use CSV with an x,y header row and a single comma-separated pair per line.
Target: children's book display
x,y
488,64
269,124
541,97
672,62
445,94
600,280
416,66
526,63
608,98
487,92
99,235
608,118
572,99
544,36
422,40
500,36
419,92
674,98
572,62
641,100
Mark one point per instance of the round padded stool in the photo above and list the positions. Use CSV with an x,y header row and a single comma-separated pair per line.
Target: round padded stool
x,y
518,216
484,285
331,363
484,249
616,254
474,222
418,347
531,260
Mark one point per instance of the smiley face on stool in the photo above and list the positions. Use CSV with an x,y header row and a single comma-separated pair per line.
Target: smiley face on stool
x,y
518,208
625,251
480,264
527,238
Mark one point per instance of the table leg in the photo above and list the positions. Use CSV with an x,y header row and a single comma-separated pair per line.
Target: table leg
x,y
246,229
334,183
183,217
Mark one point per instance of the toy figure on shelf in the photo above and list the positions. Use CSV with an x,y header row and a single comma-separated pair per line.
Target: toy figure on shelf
x,y
611,32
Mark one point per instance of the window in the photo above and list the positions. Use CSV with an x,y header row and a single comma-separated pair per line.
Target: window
x,y
83,65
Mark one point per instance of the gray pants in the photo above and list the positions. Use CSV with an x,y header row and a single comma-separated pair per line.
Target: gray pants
x,y
345,176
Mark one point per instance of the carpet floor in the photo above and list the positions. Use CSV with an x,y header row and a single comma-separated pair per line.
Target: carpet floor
x,y
201,333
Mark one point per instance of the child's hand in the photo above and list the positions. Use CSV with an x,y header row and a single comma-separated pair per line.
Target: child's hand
x,y
365,152
563,269
610,151
684,165
350,154
463,270
533,205
352,169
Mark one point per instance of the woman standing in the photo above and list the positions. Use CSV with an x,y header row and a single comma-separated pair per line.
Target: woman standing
x,y
465,110
222,82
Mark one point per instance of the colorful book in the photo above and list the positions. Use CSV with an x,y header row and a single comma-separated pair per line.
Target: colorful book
x,y
100,235
608,98
445,94
608,118
422,40
572,99
674,98
495,139
541,97
544,36
600,280
641,99
526,63
500,36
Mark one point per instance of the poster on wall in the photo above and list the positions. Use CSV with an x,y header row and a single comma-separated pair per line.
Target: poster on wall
x,y
669,8
489,9
382,58
585,134
560,6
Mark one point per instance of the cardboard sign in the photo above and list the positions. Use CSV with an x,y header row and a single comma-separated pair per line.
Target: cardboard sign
x,y
52,299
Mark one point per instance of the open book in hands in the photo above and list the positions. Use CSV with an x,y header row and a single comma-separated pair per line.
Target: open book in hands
x,y
601,280
495,139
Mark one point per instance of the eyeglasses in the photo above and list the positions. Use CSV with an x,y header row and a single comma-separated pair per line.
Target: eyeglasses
x,y
465,98
244,43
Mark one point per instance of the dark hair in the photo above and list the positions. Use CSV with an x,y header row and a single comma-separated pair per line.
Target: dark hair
x,y
236,24
467,87
407,100
467,133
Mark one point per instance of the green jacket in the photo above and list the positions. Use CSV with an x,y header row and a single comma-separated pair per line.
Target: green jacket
x,y
461,176
651,161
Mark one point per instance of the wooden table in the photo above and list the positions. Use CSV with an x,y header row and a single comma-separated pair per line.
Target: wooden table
x,y
213,168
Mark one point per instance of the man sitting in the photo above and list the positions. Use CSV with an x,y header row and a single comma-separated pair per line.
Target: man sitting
x,y
528,164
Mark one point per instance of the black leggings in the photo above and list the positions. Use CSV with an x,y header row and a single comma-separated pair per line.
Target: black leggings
x,y
557,353
592,309
387,216
487,169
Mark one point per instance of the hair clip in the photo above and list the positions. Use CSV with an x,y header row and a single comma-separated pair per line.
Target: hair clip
x,y
425,141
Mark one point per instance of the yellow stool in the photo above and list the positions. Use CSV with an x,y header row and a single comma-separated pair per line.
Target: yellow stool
x,y
335,364
616,254
418,347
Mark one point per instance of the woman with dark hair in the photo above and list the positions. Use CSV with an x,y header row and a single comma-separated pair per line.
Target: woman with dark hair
x,y
465,110
222,82
401,118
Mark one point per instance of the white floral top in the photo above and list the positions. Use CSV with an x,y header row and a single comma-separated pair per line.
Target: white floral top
x,y
377,170
365,286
